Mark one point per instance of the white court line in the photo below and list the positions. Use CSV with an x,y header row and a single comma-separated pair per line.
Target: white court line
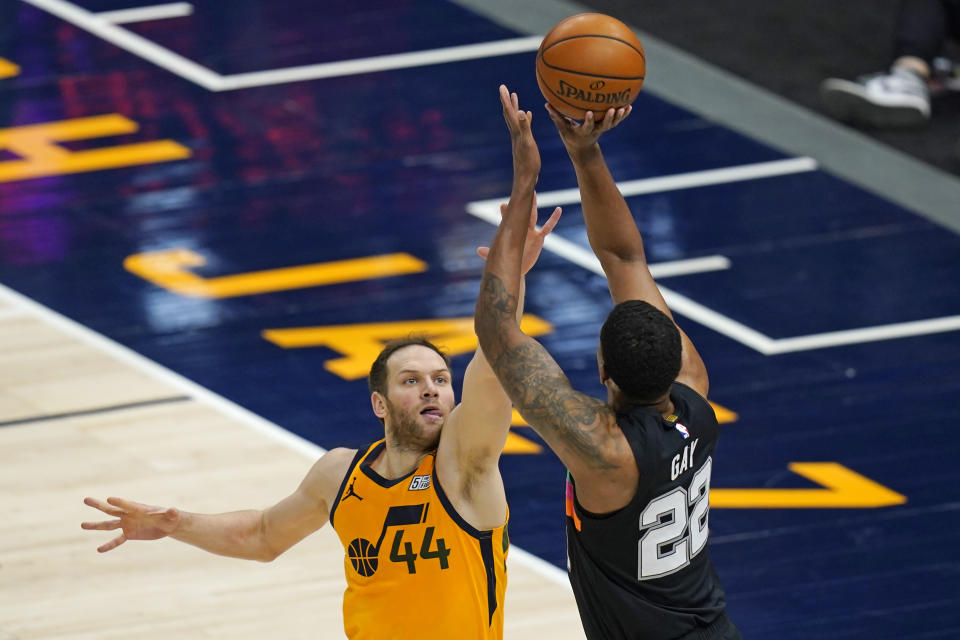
x,y
381,63
739,173
104,25
131,42
867,334
309,450
159,372
689,180
718,322
142,14
489,210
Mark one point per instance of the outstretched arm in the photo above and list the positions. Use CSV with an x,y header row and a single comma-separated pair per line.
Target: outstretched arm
x,y
251,535
580,429
477,429
613,234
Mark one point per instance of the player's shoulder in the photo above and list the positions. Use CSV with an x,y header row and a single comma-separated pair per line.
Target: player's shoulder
x,y
329,470
338,461
692,404
687,393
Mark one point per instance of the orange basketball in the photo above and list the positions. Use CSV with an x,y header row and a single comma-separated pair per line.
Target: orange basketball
x,y
590,62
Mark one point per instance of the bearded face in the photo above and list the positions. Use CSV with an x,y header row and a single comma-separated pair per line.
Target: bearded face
x,y
419,397
409,430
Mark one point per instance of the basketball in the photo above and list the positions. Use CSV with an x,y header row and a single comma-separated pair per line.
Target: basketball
x,y
590,62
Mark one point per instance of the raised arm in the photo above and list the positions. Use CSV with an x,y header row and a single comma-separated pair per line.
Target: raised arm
x,y
580,429
251,535
612,231
476,431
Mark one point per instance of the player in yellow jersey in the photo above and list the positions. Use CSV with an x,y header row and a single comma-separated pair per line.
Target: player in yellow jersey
x,y
421,512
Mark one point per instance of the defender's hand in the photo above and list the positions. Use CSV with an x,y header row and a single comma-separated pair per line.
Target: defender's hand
x,y
535,237
138,521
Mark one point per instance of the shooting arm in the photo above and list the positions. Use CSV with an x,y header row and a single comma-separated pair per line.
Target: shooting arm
x,y
577,427
617,243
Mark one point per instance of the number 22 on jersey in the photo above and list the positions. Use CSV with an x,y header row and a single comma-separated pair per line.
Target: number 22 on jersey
x,y
674,527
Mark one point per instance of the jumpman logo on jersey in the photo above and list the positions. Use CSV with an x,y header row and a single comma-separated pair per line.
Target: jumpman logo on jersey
x,y
351,493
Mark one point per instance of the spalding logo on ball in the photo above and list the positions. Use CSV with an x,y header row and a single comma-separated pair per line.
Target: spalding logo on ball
x,y
590,62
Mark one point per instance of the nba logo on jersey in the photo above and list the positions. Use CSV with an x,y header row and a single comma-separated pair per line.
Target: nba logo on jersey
x,y
419,483
682,429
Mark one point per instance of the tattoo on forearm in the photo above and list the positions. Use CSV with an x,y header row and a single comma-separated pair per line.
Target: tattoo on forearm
x,y
495,307
534,382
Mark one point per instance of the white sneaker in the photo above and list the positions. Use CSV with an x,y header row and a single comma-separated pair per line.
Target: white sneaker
x,y
896,99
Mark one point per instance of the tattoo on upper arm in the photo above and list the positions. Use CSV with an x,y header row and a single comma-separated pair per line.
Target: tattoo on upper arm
x,y
535,382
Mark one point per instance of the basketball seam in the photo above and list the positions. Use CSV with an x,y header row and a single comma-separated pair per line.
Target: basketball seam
x,y
576,106
592,75
592,35
584,73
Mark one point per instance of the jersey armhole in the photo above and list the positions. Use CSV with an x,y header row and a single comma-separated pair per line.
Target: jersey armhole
x,y
456,517
696,403
689,392
343,484
581,512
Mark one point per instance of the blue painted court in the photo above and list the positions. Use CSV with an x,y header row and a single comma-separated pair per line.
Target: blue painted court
x,y
829,317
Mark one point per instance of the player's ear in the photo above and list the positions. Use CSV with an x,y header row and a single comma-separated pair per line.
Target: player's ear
x,y
379,403
600,368
605,377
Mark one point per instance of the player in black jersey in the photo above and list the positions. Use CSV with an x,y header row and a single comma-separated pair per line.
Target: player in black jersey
x,y
639,464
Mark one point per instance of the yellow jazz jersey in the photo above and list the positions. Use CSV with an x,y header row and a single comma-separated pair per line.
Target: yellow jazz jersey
x,y
415,569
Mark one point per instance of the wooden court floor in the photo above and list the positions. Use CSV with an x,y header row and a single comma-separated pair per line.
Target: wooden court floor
x,y
180,451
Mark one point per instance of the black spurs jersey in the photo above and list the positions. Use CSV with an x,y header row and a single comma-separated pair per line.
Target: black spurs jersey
x,y
644,571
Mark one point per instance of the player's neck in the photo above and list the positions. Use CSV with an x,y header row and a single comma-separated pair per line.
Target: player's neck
x,y
664,405
396,462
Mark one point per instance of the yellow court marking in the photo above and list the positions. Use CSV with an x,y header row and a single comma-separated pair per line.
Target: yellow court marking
x,y
516,441
8,69
41,156
168,269
360,343
724,415
842,489
518,444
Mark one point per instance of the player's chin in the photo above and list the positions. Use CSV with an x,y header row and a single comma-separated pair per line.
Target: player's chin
x,y
430,434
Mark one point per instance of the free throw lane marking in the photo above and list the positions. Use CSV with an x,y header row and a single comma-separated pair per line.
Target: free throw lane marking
x,y
142,14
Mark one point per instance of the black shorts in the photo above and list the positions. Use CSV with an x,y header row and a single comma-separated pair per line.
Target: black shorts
x,y
720,629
